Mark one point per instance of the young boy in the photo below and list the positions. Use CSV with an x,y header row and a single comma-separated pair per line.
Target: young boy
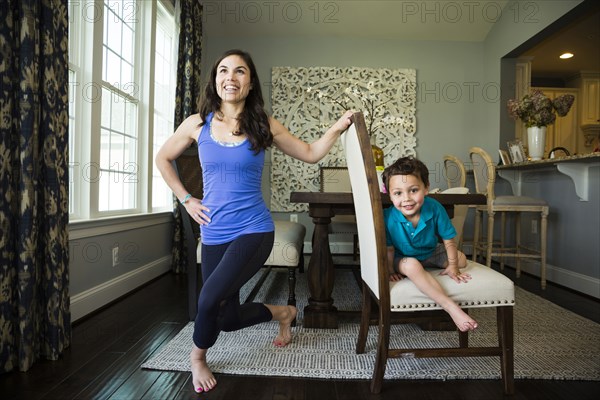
x,y
412,227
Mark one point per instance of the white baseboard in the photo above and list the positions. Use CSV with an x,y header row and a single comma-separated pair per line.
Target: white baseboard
x,y
573,280
92,299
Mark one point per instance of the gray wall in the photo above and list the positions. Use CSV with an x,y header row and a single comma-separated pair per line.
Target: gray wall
x,y
573,228
450,118
144,243
448,121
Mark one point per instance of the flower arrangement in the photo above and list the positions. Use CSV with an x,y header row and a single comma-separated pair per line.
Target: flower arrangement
x,y
536,109
372,104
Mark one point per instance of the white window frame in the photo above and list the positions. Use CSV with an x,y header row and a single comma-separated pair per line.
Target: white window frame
x,y
164,10
86,28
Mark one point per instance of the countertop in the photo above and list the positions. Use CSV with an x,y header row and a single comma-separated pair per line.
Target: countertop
x,y
575,167
590,157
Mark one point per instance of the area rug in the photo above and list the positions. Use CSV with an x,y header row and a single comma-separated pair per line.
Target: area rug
x,y
550,343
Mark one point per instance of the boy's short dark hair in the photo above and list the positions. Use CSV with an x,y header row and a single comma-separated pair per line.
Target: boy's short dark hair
x,y
406,166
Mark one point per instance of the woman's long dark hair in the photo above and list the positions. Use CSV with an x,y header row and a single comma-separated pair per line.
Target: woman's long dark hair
x,y
253,120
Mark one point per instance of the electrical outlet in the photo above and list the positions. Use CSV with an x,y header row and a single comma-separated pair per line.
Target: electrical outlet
x,y
294,217
115,255
534,226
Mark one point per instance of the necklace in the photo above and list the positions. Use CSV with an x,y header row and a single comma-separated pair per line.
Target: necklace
x,y
221,117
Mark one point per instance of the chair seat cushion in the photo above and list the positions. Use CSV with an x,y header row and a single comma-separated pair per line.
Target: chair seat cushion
x,y
287,246
485,289
519,200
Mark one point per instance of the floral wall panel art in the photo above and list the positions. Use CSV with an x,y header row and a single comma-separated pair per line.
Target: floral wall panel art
x,y
309,100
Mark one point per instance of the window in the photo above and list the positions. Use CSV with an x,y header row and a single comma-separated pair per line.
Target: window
x,y
118,172
116,124
164,82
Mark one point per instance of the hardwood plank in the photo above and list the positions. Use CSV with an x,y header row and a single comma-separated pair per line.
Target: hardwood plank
x,y
168,385
108,348
120,373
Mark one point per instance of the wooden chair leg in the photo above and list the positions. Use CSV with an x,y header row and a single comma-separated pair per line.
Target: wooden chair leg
x,y
518,242
291,286
490,238
476,233
383,343
292,289
502,237
365,316
301,261
463,337
504,321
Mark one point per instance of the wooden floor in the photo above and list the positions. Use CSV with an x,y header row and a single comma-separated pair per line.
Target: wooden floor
x,y
104,360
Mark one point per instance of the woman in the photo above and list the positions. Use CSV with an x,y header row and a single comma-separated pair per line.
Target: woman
x,y
233,131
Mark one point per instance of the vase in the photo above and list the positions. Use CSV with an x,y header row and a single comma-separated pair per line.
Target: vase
x,y
377,153
378,158
536,142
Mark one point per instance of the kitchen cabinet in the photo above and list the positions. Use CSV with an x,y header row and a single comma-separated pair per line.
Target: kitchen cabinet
x,y
564,131
589,87
588,84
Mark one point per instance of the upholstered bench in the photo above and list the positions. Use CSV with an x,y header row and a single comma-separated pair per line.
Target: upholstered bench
x,y
287,252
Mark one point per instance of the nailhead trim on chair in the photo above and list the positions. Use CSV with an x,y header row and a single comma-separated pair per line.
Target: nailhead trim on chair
x,y
489,289
462,304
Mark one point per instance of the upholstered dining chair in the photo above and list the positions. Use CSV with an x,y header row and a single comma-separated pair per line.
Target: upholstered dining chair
x,y
336,179
188,169
454,171
487,287
288,246
485,179
456,178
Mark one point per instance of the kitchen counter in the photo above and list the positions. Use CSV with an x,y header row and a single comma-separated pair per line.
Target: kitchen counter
x,y
575,167
571,187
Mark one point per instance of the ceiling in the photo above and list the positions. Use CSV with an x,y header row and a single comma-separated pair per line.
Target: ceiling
x,y
406,20
581,37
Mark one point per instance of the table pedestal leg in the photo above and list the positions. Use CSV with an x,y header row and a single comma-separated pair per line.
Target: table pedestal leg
x,y
320,311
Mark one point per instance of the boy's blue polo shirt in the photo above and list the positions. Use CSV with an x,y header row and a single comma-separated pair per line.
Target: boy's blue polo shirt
x,y
419,242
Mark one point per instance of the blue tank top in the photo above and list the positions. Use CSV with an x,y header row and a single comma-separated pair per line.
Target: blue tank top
x,y
232,177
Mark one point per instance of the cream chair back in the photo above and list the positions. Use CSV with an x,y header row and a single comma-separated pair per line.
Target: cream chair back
x,y
483,171
460,215
367,202
455,171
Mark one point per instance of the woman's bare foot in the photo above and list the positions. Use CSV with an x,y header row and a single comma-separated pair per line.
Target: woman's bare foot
x,y
202,377
462,320
285,315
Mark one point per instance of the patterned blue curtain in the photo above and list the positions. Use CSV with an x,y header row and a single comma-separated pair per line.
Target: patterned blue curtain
x,y
186,98
35,320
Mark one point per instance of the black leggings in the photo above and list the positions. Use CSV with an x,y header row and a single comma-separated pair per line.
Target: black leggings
x,y
225,269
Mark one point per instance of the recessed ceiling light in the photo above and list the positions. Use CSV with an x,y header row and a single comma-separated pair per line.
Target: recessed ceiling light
x,y
564,56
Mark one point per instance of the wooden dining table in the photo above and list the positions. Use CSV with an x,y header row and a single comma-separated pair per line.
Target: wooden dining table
x,y
322,206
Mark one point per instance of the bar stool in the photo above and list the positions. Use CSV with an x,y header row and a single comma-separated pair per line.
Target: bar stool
x,y
485,178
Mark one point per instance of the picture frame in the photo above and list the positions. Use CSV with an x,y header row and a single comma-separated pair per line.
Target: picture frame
x,y
516,151
504,157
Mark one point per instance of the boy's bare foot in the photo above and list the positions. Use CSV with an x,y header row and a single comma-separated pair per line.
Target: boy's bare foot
x,y
287,316
202,377
462,320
